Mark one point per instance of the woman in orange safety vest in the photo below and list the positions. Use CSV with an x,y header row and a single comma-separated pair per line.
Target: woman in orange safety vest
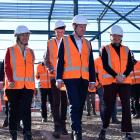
x,y
20,82
117,63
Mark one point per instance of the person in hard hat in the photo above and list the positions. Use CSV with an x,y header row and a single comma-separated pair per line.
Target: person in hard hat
x,y
99,89
43,77
135,95
76,70
117,63
59,96
20,82
6,122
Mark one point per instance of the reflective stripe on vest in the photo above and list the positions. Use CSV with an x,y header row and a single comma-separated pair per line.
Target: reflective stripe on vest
x,y
31,79
42,75
70,67
107,76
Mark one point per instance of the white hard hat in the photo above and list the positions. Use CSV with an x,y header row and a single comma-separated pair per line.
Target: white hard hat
x,y
79,19
21,29
116,30
59,24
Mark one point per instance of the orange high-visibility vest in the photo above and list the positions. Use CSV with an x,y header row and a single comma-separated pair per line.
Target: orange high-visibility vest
x,y
53,51
103,76
22,68
135,74
42,75
76,64
118,64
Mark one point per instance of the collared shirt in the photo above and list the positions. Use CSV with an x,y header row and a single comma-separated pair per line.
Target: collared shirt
x,y
79,44
58,41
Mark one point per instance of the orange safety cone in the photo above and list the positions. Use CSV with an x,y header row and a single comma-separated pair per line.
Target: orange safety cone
x,y
0,105
96,102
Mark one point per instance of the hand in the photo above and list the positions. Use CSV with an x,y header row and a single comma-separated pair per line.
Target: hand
x,y
120,78
91,86
59,84
11,84
52,72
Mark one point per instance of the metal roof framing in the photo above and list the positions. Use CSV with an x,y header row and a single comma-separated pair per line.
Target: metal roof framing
x,y
94,10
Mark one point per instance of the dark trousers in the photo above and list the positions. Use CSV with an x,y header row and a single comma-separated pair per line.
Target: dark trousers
x,y
100,93
110,93
60,105
19,107
136,96
91,102
6,108
45,92
77,93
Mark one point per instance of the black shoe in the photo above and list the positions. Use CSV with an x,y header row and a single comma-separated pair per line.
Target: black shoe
x,y
94,113
44,119
115,121
19,128
64,131
56,134
28,136
13,135
137,116
77,135
102,135
128,137
5,124
71,135
88,114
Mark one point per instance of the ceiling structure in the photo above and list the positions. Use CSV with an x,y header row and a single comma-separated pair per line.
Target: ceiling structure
x,y
64,9
52,10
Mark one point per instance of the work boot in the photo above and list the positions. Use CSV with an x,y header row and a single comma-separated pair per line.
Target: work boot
x,y
56,132
5,124
13,135
28,136
102,135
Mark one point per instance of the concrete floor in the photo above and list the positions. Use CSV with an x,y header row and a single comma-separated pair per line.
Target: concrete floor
x,y
91,129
